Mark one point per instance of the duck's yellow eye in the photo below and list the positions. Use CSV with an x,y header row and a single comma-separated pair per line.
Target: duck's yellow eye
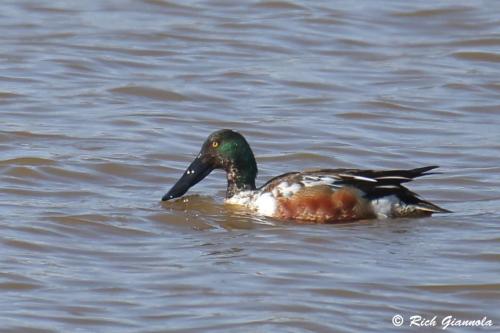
x,y
215,144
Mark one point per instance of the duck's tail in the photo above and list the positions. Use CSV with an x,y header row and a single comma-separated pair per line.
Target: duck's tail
x,y
390,198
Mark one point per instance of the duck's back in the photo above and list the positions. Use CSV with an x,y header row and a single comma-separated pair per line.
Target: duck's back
x,y
337,195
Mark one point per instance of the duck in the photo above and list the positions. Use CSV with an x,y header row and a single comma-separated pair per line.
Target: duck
x,y
316,196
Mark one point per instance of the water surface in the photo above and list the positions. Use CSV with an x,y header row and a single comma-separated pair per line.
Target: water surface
x,y
104,103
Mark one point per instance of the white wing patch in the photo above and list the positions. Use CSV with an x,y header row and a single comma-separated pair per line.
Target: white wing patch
x,y
309,181
286,190
365,179
393,177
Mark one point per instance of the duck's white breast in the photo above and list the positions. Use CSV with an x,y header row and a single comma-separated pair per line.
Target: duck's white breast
x,y
263,203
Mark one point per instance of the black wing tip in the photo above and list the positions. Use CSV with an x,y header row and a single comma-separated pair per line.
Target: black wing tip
x,y
429,167
425,169
440,210
429,206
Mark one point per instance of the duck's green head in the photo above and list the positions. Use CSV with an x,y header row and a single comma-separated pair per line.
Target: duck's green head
x,y
224,149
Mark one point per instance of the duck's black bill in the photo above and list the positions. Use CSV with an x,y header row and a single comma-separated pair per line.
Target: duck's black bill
x,y
195,172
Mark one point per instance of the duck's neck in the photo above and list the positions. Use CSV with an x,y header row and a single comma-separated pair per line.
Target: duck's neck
x,y
240,179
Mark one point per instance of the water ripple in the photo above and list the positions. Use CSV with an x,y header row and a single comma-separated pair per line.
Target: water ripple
x,y
104,104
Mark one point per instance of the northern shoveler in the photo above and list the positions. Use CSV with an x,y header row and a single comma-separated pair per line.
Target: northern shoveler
x,y
322,196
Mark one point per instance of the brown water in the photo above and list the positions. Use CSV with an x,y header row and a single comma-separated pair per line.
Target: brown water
x,y
104,103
